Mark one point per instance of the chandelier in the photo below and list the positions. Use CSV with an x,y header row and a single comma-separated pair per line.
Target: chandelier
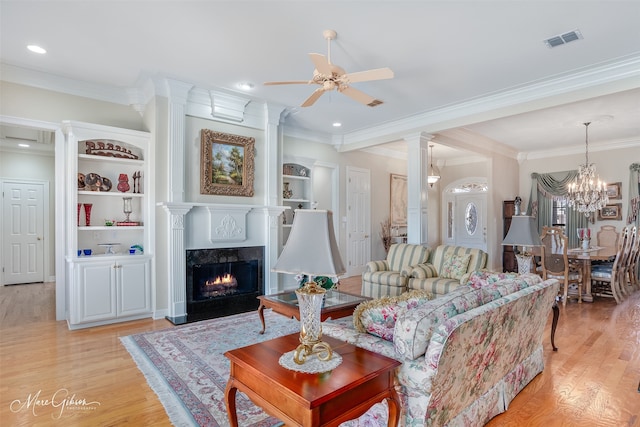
x,y
587,193
434,173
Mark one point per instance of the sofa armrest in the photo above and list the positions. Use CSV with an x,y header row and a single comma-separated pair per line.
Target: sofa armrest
x,y
423,271
465,278
372,266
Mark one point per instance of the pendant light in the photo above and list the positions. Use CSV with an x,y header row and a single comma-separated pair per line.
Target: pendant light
x,y
434,172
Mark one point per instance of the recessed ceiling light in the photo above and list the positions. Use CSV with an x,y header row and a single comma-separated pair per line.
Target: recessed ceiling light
x,y
36,49
23,145
337,124
245,86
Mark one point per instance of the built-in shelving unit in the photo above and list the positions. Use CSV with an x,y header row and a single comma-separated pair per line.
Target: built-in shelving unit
x,y
296,192
109,245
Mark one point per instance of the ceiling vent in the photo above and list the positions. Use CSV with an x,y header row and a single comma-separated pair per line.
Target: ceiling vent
x,y
565,38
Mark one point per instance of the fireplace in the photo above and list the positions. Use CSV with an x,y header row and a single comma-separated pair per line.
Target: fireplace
x,y
225,281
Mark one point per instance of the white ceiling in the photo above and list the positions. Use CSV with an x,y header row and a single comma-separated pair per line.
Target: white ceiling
x,y
464,71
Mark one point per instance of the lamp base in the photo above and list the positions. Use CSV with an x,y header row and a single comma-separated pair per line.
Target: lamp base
x,y
310,300
305,349
524,263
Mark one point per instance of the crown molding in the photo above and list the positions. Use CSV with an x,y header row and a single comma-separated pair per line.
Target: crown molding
x,y
619,144
601,79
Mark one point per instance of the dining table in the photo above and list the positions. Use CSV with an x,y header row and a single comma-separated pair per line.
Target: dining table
x,y
586,256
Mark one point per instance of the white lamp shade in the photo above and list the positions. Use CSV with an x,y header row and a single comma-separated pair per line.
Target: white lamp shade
x,y
522,232
311,248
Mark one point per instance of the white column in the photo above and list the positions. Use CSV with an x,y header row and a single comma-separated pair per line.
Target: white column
x,y
417,171
178,93
273,169
176,263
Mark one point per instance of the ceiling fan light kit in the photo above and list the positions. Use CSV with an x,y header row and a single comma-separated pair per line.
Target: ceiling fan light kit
x,y
330,76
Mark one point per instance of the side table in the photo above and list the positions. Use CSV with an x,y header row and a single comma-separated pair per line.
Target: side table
x,y
311,400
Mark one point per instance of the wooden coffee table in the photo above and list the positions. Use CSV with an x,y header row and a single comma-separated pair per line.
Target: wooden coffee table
x,y
311,400
337,304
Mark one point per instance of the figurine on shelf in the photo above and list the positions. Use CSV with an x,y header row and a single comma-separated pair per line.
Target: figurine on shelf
x,y
287,193
123,183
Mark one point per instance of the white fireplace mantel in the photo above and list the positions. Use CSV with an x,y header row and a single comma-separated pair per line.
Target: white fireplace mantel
x,y
227,223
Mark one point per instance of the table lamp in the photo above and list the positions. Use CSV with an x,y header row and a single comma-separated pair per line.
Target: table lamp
x,y
523,232
311,249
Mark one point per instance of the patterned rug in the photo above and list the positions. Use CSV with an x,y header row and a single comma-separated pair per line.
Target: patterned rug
x,y
186,368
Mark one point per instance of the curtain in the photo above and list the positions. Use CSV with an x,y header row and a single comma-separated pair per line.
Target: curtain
x,y
547,187
633,211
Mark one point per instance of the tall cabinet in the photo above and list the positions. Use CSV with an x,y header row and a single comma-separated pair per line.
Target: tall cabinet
x,y
508,255
109,219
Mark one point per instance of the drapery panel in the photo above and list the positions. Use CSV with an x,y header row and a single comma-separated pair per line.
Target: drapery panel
x,y
547,187
633,211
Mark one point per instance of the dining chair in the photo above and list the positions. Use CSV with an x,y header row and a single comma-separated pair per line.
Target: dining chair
x,y
634,264
555,262
631,265
608,236
612,274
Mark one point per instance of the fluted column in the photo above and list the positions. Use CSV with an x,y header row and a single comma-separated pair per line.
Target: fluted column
x,y
273,168
178,93
417,171
176,263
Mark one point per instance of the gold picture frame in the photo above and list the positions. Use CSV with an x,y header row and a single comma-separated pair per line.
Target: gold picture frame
x,y
398,202
610,212
227,164
614,191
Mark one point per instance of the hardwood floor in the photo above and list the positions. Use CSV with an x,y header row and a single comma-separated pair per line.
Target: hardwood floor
x,y
592,380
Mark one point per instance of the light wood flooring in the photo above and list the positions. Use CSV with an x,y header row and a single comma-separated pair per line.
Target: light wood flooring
x,y
591,381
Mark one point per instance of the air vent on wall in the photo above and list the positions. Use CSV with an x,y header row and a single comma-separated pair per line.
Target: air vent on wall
x,y
565,38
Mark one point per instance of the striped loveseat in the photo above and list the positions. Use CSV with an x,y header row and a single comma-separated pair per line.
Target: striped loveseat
x,y
448,268
389,277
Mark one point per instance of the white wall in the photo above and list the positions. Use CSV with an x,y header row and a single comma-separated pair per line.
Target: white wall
x,y
380,167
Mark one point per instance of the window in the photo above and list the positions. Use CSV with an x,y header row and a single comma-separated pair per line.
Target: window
x,y
559,214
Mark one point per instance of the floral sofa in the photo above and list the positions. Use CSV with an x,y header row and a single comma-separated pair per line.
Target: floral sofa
x,y
465,355
448,268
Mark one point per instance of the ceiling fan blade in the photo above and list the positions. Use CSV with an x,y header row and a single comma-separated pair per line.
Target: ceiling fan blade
x,y
293,82
359,96
313,98
363,76
321,63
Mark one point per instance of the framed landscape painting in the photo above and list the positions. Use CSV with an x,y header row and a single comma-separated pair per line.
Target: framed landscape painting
x,y
227,167
610,212
614,190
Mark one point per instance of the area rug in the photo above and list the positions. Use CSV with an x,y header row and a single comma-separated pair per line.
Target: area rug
x,y
186,367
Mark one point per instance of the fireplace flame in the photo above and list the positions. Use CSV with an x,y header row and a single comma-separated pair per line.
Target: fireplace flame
x,y
222,280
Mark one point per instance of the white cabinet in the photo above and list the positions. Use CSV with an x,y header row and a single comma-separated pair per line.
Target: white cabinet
x,y
110,290
109,223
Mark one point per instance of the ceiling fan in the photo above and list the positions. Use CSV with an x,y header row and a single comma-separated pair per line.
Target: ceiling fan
x,y
330,76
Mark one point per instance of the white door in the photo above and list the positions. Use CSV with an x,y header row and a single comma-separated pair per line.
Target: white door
x,y
23,234
470,221
358,220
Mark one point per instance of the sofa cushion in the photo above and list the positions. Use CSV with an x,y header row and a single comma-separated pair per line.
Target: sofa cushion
x,y
414,327
455,266
493,289
390,278
478,259
403,254
378,316
424,271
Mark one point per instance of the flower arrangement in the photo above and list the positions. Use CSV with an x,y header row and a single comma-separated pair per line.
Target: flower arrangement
x,y
323,281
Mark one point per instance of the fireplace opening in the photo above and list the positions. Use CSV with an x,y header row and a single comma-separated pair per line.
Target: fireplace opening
x,y
221,282
224,279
